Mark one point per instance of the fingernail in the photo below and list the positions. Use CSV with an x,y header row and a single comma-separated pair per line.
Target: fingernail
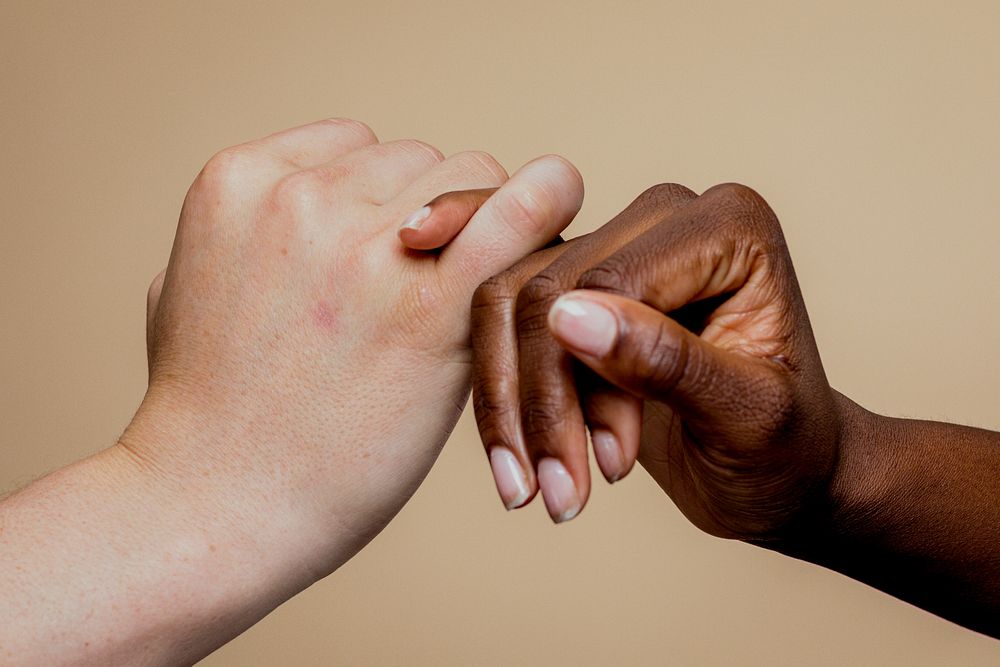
x,y
609,454
583,325
512,484
561,499
416,219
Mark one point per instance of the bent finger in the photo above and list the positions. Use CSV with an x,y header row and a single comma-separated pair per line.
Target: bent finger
x,y
317,143
614,419
495,394
708,248
380,172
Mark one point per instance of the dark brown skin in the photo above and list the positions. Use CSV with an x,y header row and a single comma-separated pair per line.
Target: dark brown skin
x,y
710,347
750,415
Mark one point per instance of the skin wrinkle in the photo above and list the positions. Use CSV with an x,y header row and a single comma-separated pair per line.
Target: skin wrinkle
x,y
545,281
487,161
670,359
519,214
740,426
711,242
304,374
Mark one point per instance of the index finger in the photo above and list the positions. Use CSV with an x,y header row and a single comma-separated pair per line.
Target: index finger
x,y
552,417
707,250
495,395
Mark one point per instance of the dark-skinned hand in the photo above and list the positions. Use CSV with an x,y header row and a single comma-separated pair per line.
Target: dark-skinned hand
x,y
677,334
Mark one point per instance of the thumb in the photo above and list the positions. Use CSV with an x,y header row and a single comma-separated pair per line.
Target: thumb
x,y
650,355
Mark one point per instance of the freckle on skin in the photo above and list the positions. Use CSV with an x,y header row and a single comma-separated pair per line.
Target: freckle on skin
x,y
325,317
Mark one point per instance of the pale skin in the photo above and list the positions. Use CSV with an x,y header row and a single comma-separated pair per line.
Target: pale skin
x,y
305,370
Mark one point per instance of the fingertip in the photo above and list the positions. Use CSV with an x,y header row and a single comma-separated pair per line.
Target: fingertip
x,y
613,456
559,182
563,500
582,324
412,232
608,453
510,478
573,178
437,223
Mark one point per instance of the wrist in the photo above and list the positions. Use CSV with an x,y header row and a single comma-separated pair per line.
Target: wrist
x,y
224,489
175,568
859,484
856,493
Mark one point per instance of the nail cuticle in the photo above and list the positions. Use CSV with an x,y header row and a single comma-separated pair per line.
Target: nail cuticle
x,y
416,219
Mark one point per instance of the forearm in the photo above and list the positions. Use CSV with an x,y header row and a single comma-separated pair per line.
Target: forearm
x,y
915,512
115,561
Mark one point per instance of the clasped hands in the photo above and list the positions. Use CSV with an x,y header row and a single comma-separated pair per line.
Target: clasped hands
x,y
329,302
330,299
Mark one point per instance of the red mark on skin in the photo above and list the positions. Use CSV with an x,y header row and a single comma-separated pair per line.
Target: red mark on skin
x,y
325,317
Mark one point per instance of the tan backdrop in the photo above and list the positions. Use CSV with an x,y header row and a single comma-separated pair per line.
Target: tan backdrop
x,y
870,127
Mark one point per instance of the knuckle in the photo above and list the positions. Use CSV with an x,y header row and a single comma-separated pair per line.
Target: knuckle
x,y
664,194
229,169
747,208
354,126
652,206
542,288
526,209
493,293
491,410
737,193
225,184
534,300
481,163
298,192
735,200
419,148
497,422
612,275
541,414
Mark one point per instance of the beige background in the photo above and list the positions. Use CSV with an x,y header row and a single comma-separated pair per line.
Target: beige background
x,y
870,127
